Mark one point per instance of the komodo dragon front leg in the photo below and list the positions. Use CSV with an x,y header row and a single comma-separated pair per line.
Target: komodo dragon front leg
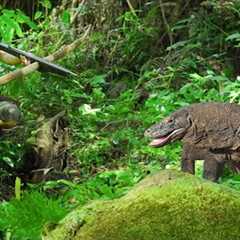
x,y
189,155
213,163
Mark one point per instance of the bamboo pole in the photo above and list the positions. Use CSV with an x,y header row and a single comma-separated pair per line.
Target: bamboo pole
x,y
9,59
34,66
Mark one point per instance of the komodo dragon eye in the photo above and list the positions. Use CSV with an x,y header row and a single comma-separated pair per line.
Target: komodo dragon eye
x,y
170,120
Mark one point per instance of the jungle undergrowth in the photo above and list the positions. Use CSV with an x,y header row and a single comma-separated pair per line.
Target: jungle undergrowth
x,y
127,81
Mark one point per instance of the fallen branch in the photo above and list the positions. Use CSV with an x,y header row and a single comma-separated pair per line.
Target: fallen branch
x,y
34,66
47,150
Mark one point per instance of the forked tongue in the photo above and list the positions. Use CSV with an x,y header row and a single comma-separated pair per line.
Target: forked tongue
x,y
158,142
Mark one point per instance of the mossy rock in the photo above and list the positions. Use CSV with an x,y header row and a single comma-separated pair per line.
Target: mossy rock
x,y
167,206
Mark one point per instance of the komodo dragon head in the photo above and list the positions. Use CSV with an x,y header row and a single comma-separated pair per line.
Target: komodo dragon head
x,y
170,129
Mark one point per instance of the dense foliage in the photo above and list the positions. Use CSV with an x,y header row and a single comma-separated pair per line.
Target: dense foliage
x,y
138,64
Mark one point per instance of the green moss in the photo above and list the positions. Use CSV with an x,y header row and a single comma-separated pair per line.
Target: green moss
x,y
166,206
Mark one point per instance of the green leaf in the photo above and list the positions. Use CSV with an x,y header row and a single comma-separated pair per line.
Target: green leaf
x,y
177,45
8,161
66,17
46,4
8,13
18,30
22,18
18,188
38,15
234,36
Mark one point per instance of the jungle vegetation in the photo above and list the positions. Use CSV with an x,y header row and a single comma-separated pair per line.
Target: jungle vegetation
x,y
140,61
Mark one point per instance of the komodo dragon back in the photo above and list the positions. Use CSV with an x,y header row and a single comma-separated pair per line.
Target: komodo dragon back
x,y
214,125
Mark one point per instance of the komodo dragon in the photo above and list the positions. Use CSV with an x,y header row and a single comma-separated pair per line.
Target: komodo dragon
x,y
209,132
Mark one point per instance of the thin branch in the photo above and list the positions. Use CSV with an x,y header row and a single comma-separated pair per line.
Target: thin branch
x,y
131,7
166,23
75,15
67,48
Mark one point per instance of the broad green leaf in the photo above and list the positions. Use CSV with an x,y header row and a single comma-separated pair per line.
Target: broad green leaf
x,y
38,15
46,3
234,36
66,17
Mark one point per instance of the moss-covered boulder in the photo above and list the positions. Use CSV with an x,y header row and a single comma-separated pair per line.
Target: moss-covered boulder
x,y
166,206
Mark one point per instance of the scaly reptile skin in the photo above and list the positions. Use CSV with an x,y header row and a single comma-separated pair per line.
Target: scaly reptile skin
x,y
209,132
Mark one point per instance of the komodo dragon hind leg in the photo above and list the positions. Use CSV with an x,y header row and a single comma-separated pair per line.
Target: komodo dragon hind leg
x,y
212,169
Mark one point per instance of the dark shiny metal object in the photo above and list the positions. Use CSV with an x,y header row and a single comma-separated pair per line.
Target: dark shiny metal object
x,y
44,64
